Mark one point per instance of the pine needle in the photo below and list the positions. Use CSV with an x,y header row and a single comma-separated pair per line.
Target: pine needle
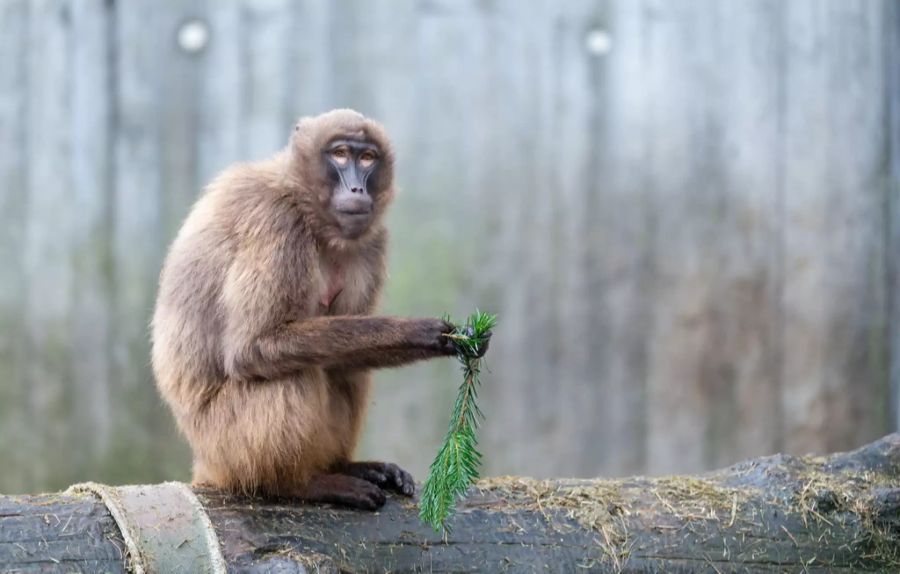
x,y
455,468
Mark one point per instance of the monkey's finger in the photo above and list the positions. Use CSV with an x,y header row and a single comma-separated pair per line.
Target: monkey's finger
x,y
369,500
483,346
408,484
378,497
403,481
370,496
369,474
375,477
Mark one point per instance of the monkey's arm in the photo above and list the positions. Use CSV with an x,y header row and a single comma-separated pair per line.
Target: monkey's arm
x,y
346,341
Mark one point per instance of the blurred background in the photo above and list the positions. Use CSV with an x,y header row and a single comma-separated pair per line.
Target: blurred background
x,y
685,212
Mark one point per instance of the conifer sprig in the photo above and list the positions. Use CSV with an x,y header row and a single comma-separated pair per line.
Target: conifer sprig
x,y
455,468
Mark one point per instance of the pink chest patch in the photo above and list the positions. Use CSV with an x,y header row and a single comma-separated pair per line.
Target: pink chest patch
x,y
334,284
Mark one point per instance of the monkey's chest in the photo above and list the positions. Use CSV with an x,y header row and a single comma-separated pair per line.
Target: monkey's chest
x,y
332,285
343,289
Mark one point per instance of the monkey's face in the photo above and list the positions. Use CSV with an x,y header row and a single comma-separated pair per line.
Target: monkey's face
x,y
352,167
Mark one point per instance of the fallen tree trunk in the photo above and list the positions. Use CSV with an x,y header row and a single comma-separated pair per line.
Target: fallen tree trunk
x,y
773,514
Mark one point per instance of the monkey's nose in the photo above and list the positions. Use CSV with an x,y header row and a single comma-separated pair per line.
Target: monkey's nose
x,y
356,189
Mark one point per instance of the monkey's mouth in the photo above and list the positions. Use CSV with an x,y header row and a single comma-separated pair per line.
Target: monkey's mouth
x,y
355,212
353,222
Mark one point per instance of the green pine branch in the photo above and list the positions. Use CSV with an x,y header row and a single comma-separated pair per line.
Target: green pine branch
x,y
455,468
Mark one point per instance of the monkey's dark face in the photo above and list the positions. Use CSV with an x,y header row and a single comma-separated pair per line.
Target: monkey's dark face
x,y
352,167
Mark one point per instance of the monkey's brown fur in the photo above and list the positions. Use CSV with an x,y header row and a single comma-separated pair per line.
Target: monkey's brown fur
x,y
261,344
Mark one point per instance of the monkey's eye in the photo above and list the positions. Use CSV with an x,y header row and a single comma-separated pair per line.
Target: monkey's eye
x,y
340,155
367,158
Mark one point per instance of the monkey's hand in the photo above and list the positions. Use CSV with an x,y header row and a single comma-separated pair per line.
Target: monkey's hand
x,y
483,343
473,351
386,475
436,335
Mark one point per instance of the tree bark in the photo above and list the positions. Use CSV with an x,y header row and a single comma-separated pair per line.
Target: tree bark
x,y
838,513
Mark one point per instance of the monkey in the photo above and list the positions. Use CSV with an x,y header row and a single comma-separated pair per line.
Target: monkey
x,y
264,334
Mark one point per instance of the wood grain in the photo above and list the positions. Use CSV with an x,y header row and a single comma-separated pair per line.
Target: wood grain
x,y
773,514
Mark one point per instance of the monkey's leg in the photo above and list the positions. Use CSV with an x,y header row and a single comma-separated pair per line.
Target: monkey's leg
x,y
343,489
386,475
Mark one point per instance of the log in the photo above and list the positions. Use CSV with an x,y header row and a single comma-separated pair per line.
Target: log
x,y
837,513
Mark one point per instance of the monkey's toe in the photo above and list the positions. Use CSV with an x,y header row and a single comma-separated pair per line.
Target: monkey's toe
x,y
368,497
398,480
386,475
346,490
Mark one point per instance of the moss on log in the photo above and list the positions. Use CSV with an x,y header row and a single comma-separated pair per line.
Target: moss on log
x,y
838,513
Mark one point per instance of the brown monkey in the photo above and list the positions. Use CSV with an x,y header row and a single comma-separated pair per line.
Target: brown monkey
x,y
262,339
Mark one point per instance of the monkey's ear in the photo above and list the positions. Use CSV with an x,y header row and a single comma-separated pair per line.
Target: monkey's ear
x,y
303,124
302,131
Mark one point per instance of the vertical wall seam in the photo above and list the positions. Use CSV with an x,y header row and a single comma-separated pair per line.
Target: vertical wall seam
x,y
780,247
892,227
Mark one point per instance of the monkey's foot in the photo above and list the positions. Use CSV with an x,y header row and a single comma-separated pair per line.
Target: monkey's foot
x,y
387,475
345,490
